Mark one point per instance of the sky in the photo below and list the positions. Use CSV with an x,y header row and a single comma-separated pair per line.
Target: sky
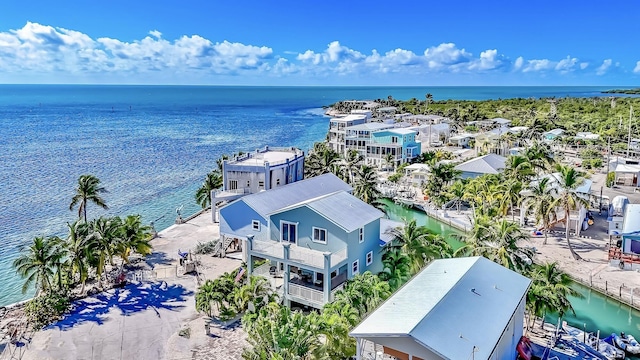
x,y
329,42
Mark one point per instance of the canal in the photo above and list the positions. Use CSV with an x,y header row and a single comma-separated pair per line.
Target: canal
x,y
593,310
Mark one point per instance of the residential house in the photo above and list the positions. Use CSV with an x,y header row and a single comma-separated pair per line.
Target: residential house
x,y
631,229
256,171
308,237
338,128
587,135
461,140
417,173
461,308
399,142
487,164
577,218
552,134
359,136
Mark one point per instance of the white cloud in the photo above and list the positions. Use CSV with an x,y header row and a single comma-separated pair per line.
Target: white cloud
x,y
517,65
637,68
155,33
566,65
602,69
584,65
538,65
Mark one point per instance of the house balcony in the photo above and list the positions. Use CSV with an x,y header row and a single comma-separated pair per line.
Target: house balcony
x,y
301,287
293,254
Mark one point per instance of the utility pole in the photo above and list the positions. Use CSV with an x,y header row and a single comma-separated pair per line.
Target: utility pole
x,y
629,140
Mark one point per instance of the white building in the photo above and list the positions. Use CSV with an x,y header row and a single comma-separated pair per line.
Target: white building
x,y
357,137
256,171
337,130
462,308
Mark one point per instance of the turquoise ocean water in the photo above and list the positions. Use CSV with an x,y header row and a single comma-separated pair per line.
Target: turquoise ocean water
x,y
152,145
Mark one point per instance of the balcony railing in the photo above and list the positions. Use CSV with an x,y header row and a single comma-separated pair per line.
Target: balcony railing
x,y
312,295
299,254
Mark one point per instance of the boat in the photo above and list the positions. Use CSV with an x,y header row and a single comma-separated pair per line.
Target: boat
x,y
562,349
625,342
593,341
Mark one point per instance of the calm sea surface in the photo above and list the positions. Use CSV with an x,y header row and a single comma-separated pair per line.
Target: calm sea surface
x,y
152,145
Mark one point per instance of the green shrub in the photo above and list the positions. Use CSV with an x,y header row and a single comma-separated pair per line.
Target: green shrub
x,y
395,177
611,179
206,248
46,309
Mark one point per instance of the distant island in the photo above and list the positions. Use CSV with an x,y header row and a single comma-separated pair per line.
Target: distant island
x,y
622,91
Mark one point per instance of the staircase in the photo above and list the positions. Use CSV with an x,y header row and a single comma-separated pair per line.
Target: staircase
x,y
221,246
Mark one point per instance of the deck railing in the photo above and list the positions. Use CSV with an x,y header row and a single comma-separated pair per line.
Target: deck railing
x,y
299,254
309,294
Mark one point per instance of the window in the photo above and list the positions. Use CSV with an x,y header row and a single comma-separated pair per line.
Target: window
x,y
260,184
394,139
277,182
354,269
334,273
288,232
361,235
319,235
369,258
248,183
255,224
233,184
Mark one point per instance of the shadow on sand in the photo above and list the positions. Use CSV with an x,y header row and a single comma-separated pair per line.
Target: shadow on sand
x,y
131,299
159,258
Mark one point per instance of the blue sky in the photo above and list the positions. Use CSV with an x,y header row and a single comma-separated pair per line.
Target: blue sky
x,y
321,42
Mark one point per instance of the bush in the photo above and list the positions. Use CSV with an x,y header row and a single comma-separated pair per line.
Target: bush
x,y
206,248
395,177
611,179
46,309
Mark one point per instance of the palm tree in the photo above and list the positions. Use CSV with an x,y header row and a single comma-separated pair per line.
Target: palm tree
x,y
457,192
389,160
542,196
133,237
104,238
37,263
257,291
396,268
518,167
364,292
350,164
501,246
569,179
540,157
365,184
441,175
511,189
205,297
418,243
88,190
78,248
429,98
550,290
203,194
321,160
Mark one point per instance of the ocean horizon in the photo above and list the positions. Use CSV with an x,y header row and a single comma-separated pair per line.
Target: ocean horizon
x,y
152,145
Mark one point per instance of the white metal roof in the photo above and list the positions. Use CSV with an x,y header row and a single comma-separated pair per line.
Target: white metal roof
x,y
631,222
350,117
345,210
624,168
449,307
370,126
487,164
267,202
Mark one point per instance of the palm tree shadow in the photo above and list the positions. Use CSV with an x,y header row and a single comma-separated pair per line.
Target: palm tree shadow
x,y
131,299
159,258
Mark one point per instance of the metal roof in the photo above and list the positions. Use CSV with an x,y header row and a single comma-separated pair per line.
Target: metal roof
x,y
449,307
487,164
345,210
370,126
631,220
267,202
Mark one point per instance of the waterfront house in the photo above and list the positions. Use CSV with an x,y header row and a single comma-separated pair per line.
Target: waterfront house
x,y
461,140
263,169
401,143
308,237
577,218
631,229
461,308
357,137
487,164
338,129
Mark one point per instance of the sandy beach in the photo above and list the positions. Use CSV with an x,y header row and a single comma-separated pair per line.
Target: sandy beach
x,y
143,320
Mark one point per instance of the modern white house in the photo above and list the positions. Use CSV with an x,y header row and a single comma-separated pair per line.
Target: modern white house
x,y
482,165
262,169
461,308
417,173
338,129
400,143
307,237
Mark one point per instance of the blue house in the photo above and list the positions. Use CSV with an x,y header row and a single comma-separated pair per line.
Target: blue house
x,y
308,237
399,142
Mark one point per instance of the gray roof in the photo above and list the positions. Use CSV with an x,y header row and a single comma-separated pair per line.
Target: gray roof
x,y
487,164
345,210
267,202
450,306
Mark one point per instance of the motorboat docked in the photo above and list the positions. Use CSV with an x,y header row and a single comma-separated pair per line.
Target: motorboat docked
x,y
625,342
593,341
562,349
